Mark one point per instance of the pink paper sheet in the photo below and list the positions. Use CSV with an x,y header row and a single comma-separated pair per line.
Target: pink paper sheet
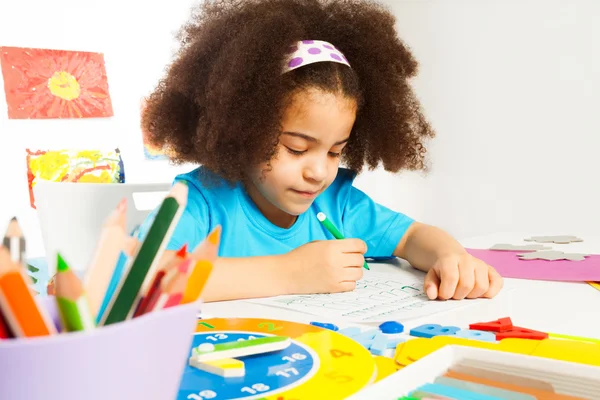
x,y
509,265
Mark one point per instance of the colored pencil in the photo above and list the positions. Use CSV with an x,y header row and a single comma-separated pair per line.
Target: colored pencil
x,y
130,248
334,231
151,294
595,285
206,254
4,331
172,287
73,305
144,263
15,242
24,316
104,262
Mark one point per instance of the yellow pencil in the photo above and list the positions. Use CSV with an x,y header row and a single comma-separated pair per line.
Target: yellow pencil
x,y
105,258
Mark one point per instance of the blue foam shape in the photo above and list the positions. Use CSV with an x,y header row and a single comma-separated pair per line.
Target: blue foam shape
x,y
326,325
368,334
391,327
476,335
430,330
379,345
393,342
352,331
454,393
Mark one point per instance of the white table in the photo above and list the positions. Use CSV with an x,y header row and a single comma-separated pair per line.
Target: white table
x,y
557,307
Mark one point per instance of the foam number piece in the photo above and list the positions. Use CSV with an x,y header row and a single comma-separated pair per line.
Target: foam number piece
x,y
521,333
392,343
385,367
379,345
562,239
352,331
227,367
476,335
500,325
325,325
431,330
553,255
391,327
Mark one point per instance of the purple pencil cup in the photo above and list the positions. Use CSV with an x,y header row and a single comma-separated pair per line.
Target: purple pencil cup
x,y
142,358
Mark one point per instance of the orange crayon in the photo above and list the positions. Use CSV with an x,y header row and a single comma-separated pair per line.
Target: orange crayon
x,y
24,316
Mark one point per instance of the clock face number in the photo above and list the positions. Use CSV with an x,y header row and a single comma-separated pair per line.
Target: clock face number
x,y
205,394
294,357
257,387
339,353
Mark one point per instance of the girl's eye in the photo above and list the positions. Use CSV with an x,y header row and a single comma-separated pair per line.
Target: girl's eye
x,y
295,152
335,155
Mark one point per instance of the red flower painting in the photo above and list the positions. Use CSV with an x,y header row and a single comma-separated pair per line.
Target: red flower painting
x,y
42,84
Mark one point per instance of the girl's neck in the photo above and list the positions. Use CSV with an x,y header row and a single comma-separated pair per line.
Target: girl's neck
x,y
275,215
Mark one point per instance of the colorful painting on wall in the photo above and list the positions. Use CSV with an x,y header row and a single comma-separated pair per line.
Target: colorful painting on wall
x,y
42,84
93,166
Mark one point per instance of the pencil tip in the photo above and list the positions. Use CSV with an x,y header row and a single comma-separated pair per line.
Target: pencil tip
x,y
215,235
182,252
13,219
61,265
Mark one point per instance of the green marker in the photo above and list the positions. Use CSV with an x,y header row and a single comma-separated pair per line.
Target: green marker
x,y
210,352
334,231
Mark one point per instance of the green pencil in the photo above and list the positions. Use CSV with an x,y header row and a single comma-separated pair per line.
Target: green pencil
x,y
148,256
334,231
72,302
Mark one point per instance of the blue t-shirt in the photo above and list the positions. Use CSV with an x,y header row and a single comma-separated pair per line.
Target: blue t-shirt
x,y
246,232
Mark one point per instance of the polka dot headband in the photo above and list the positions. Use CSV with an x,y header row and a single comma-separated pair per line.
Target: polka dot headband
x,y
311,51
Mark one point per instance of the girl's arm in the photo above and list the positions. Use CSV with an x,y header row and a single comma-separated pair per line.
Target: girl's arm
x,y
451,271
244,278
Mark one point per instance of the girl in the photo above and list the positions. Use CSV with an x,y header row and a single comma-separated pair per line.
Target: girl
x,y
270,96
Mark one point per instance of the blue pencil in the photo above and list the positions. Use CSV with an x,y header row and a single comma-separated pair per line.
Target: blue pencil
x,y
114,280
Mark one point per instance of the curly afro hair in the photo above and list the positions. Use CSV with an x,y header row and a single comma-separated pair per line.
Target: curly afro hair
x,y
223,98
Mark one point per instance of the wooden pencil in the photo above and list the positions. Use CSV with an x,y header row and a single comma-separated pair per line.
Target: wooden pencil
x,y
130,248
206,254
14,241
149,297
144,263
104,261
172,287
4,331
73,305
24,316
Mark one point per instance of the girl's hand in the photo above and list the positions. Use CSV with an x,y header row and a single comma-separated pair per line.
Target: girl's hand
x,y
328,266
460,276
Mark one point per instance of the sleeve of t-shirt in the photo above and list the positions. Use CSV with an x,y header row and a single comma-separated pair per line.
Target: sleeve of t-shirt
x,y
190,228
380,227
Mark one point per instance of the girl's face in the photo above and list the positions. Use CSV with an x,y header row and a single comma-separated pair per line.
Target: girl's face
x,y
316,128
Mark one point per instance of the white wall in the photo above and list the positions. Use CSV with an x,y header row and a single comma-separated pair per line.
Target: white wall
x,y
136,50
511,87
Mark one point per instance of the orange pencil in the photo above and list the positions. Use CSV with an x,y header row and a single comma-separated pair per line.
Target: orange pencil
x,y
205,254
112,241
24,316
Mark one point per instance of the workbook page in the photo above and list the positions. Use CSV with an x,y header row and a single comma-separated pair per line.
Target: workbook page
x,y
378,297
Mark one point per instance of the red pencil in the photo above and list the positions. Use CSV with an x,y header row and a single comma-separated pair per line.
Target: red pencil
x,y
172,287
4,331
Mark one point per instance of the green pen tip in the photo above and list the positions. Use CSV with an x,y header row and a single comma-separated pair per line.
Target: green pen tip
x,y
61,265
